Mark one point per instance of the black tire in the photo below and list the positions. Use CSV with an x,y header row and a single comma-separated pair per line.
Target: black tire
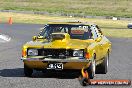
x,y
27,71
44,71
104,65
91,70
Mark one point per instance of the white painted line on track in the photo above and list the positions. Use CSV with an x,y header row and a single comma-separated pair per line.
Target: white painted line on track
x,y
4,38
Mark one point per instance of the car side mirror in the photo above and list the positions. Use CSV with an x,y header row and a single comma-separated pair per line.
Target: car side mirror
x,y
98,39
34,38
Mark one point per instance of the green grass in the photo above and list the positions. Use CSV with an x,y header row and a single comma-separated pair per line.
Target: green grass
x,y
109,27
127,33
119,8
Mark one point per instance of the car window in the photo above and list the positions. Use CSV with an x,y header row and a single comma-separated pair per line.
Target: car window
x,y
95,31
75,31
81,32
99,30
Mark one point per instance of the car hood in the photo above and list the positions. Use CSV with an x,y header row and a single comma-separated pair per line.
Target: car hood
x,y
67,44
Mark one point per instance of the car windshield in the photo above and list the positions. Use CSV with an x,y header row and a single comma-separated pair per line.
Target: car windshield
x,y
82,32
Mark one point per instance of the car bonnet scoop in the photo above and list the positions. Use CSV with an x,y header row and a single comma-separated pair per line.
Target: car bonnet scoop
x,y
58,36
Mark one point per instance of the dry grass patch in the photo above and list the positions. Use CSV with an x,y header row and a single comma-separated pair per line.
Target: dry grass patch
x,y
110,28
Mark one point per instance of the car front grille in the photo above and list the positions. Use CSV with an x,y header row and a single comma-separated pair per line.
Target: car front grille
x,y
56,53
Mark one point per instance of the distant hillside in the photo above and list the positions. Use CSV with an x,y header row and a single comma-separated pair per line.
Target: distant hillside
x,y
120,8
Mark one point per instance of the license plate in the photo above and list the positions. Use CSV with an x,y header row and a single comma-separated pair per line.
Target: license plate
x,y
56,66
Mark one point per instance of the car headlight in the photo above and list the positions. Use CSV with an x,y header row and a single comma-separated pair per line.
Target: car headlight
x,y
32,52
78,53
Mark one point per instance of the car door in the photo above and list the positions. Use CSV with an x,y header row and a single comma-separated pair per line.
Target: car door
x,y
103,42
98,42
106,45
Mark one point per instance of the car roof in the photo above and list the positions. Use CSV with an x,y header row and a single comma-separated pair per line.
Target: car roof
x,y
73,23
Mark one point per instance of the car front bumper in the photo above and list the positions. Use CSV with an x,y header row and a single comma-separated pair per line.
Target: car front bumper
x,y
73,63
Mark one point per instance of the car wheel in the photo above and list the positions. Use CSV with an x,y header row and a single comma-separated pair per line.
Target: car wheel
x,y
104,65
28,71
92,69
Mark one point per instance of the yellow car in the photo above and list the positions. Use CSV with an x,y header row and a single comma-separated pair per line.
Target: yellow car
x,y
71,46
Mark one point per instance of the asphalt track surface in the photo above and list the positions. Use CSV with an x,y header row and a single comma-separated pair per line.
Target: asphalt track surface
x,y
11,67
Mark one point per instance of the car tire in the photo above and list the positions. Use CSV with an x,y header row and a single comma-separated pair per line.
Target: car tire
x,y
27,71
104,65
92,69
44,71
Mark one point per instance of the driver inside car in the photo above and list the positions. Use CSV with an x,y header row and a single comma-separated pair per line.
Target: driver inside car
x,y
87,34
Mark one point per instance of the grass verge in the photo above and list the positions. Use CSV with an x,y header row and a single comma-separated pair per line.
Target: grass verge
x,y
119,8
109,27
